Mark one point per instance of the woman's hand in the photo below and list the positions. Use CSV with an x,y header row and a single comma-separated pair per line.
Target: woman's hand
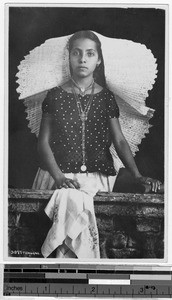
x,y
66,183
70,183
155,185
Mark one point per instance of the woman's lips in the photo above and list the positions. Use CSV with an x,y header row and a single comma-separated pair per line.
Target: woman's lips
x,y
82,67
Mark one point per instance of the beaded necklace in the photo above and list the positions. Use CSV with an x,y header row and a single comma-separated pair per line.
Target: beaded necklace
x,y
83,114
82,90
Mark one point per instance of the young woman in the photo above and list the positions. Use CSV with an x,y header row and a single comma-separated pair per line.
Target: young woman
x,y
79,123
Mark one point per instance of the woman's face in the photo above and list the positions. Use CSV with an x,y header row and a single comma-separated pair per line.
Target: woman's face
x,y
83,58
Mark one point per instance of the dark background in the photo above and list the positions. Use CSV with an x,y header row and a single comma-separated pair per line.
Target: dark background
x,y
31,26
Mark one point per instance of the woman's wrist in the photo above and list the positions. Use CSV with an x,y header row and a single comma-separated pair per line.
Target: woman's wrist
x,y
141,179
59,178
137,175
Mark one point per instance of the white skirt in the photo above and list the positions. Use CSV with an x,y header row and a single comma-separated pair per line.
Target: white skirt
x,y
94,181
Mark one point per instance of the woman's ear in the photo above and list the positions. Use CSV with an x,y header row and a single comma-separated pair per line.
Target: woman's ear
x,y
98,63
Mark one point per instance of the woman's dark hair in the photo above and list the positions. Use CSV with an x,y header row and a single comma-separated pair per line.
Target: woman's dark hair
x,y
99,73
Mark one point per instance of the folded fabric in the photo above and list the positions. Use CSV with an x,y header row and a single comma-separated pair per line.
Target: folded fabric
x,y
74,223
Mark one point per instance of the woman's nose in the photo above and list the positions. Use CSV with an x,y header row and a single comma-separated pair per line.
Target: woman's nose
x,y
82,58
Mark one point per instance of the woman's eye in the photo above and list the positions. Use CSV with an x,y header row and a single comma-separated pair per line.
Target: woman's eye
x,y
75,53
90,53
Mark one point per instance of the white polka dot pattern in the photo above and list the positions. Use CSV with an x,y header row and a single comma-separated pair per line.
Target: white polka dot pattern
x,y
67,130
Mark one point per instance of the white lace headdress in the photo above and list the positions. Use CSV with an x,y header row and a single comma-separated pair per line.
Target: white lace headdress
x,y
130,71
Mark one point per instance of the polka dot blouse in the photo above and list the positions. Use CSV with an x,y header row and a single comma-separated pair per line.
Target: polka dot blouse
x,y
66,139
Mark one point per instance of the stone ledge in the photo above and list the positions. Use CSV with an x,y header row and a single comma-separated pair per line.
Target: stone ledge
x,y
100,196
129,225
105,203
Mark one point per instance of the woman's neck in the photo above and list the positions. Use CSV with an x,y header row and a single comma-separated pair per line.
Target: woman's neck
x,y
83,82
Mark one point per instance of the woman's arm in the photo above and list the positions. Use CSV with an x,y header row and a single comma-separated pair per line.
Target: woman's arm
x,y
47,156
124,152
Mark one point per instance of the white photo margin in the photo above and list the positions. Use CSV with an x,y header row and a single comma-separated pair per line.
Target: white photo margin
x,y
4,156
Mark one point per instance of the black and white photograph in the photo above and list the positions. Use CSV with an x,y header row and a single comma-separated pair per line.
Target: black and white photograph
x,y
87,91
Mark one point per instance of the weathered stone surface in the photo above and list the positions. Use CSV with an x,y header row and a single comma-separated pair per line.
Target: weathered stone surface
x,y
149,211
24,206
159,245
118,240
130,198
148,245
124,223
12,217
148,224
28,193
104,223
129,210
101,196
114,209
131,243
121,253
